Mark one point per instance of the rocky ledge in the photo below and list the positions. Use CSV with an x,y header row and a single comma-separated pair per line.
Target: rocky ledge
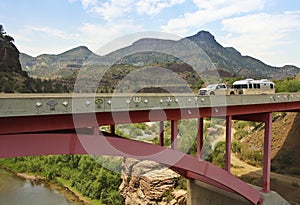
x,y
149,183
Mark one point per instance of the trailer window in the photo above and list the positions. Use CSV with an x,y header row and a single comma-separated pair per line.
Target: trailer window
x,y
241,86
256,86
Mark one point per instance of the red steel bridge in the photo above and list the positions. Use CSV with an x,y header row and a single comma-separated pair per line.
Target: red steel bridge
x,y
53,124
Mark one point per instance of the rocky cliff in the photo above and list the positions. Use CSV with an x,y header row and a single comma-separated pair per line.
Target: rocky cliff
x,y
11,75
9,55
149,183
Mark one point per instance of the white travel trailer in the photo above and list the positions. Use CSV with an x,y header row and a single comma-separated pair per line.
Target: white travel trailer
x,y
250,86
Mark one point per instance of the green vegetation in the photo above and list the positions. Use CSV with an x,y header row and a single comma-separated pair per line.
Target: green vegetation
x,y
250,154
218,154
11,83
230,81
83,173
290,84
199,84
168,195
4,36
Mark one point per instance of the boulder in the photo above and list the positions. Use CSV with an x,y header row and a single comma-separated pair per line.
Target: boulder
x,y
148,183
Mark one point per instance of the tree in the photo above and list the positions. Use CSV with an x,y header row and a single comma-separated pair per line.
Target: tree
x,y
218,154
2,33
5,37
9,38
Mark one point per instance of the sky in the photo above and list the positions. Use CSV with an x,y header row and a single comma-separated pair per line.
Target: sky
x,y
268,30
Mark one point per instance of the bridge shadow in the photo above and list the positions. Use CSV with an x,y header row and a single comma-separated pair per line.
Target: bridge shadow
x,y
286,161
286,186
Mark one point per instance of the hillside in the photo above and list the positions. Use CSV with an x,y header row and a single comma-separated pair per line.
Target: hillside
x,y
201,51
285,143
55,66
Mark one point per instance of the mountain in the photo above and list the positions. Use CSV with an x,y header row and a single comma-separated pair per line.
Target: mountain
x,y
55,66
231,60
200,52
208,56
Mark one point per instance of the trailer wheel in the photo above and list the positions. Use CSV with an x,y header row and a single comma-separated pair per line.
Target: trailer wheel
x,y
212,93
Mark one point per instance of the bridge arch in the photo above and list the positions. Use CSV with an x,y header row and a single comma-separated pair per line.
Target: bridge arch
x,y
71,143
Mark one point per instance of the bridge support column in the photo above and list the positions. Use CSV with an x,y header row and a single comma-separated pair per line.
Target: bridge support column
x,y
200,138
161,133
174,133
267,153
95,130
228,143
112,129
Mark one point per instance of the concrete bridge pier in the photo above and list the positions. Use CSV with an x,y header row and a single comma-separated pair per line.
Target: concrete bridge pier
x,y
200,193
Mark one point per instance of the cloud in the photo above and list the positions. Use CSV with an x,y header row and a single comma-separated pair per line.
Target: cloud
x,y
113,9
118,18
53,32
97,35
263,22
85,3
234,5
153,7
53,40
35,40
261,34
109,10
210,11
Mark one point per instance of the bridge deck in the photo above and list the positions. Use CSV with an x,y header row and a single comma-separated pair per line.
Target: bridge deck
x,y
37,124
49,104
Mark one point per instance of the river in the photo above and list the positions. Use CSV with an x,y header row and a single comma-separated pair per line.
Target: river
x,y
17,191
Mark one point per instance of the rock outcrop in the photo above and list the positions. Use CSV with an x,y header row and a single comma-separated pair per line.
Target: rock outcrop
x,y
9,56
149,183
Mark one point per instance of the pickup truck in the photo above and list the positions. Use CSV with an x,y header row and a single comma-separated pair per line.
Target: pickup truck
x,y
217,89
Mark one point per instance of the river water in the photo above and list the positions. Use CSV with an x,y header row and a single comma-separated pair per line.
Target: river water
x,y
17,191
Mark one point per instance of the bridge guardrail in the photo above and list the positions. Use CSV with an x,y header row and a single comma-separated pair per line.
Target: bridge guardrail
x,y
48,104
